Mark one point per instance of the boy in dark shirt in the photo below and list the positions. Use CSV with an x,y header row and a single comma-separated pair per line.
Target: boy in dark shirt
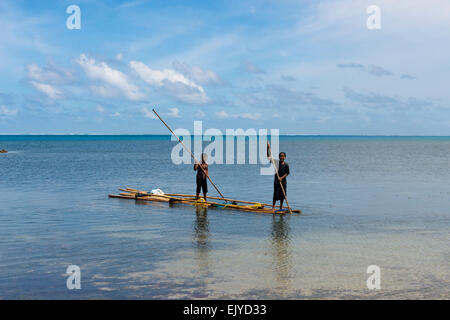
x,y
283,172
201,176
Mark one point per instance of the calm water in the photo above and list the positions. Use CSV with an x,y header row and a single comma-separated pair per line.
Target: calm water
x,y
366,201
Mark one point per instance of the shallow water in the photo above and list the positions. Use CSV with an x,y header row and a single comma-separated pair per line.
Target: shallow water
x,y
365,200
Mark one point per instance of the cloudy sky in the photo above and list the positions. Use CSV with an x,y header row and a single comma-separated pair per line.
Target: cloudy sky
x,y
305,67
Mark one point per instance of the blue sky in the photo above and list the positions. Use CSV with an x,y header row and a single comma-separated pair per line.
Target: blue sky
x,y
305,67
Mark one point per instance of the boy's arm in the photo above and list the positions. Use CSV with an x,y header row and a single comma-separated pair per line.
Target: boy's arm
x,y
195,165
286,174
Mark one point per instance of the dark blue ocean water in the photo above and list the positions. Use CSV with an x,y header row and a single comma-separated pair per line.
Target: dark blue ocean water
x,y
366,201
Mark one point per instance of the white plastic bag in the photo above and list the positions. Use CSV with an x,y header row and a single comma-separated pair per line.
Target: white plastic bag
x,y
157,191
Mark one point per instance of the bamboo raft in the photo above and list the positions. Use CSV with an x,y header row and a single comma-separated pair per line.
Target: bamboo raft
x,y
186,199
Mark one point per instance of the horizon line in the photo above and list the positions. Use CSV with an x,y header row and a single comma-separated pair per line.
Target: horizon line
x,y
165,134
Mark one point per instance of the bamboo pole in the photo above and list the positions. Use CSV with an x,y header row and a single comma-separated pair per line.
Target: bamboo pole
x,y
190,195
192,155
278,176
206,204
217,198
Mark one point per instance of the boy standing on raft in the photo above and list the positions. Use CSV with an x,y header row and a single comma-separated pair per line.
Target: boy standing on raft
x,y
201,176
283,172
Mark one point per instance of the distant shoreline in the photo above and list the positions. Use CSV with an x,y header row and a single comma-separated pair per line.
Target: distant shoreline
x,y
168,135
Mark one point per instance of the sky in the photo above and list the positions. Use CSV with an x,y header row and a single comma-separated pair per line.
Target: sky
x,y
303,67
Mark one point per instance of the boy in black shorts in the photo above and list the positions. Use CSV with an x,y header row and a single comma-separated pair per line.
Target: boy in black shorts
x,y
202,176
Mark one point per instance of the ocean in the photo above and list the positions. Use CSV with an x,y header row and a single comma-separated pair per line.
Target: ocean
x,y
365,201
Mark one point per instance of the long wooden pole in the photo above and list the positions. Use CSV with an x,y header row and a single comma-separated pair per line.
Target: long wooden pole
x,y
192,155
190,195
217,198
278,176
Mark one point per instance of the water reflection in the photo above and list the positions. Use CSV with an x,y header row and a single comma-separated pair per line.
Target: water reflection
x,y
202,239
141,202
282,253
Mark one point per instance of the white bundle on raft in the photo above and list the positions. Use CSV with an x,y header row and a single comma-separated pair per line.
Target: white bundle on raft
x,y
157,192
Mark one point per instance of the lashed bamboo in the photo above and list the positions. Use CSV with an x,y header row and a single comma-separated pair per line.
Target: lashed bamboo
x,y
209,197
194,202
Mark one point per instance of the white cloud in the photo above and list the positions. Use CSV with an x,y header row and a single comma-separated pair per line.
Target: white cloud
x,y
172,82
222,114
148,114
52,92
4,111
251,68
186,94
227,46
407,76
250,116
115,114
350,65
100,109
112,79
174,112
336,19
23,32
103,91
119,57
287,78
200,114
378,71
47,78
130,4
49,74
197,74
157,77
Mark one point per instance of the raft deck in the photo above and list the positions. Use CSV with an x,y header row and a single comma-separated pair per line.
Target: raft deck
x,y
230,204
